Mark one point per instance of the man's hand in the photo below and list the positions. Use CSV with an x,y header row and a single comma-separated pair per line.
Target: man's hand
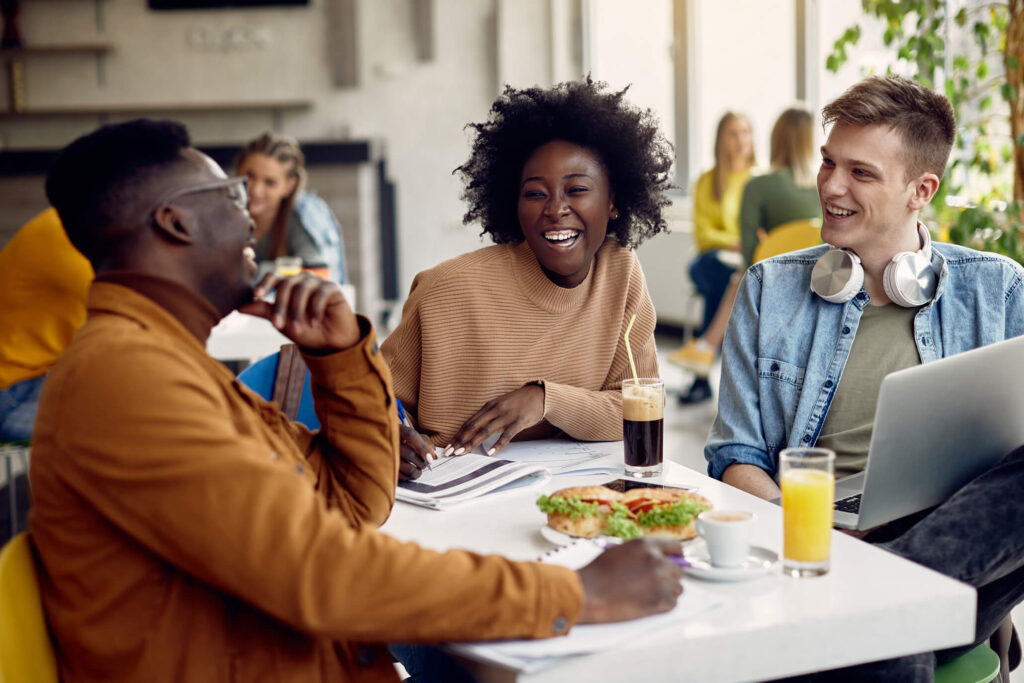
x,y
310,311
415,451
508,414
632,580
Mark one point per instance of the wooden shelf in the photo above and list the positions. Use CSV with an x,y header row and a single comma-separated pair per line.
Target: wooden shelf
x,y
158,107
76,49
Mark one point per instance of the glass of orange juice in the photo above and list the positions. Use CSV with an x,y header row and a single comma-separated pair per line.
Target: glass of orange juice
x,y
288,265
807,479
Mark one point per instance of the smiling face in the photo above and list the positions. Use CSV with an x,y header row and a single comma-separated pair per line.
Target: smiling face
x,y
224,260
868,204
565,202
269,184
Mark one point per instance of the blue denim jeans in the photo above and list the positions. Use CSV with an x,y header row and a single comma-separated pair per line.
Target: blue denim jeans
x,y
711,277
18,406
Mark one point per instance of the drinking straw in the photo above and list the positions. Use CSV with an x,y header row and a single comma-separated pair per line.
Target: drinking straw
x,y
629,352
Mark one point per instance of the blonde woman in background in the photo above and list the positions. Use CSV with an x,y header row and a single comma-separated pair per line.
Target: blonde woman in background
x,y
784,194
716,230
289,220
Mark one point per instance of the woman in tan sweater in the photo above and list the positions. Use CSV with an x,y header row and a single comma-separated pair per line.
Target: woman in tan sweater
x,y
525,338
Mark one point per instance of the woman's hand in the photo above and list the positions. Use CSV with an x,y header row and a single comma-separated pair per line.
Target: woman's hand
x,y
310,311
508,414
415,453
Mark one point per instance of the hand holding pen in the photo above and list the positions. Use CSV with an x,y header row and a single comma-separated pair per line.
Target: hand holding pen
x,y
414,449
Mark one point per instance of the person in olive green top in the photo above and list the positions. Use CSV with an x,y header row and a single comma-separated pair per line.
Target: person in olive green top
x,y
787,192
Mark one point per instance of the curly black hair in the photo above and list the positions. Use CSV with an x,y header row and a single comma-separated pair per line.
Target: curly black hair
x,y
627,140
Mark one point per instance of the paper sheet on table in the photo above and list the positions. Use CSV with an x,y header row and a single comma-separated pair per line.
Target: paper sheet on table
x,y
564,456
531,655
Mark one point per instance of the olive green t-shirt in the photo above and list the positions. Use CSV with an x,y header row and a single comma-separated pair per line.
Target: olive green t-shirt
x,y
884,344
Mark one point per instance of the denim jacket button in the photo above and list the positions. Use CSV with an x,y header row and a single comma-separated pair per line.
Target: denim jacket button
x,y
828,384
775,367
806,438
846,329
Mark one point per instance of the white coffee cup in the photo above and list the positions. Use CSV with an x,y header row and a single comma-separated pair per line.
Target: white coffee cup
x,y
727,535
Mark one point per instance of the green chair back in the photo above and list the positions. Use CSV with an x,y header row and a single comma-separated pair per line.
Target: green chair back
x,y
980,665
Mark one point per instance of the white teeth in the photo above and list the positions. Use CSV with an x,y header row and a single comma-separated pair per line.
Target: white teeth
x,y
836,211
249,253
560,235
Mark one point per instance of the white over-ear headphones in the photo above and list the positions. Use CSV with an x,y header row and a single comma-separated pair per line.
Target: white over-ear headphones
x,y
909,279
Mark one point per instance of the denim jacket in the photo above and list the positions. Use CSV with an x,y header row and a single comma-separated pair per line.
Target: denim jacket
x,y
786,347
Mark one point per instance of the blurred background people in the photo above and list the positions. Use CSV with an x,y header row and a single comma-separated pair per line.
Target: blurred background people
x,y
716,230
785,194
43,286
290,221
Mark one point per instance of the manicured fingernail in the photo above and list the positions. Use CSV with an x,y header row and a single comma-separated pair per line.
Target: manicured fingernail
x,y
492,451
448,450
460,451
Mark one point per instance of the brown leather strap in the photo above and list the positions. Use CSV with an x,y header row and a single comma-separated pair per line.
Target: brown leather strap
x,y
291,375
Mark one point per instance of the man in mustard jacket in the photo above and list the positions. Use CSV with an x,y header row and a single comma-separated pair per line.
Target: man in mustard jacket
x,y
185,529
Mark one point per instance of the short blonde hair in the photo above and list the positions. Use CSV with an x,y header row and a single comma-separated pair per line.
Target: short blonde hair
x,y
923,118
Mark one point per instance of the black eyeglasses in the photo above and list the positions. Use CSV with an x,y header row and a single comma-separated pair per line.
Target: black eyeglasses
x,y
240,197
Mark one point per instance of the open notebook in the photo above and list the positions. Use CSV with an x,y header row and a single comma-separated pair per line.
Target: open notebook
x,y
532,655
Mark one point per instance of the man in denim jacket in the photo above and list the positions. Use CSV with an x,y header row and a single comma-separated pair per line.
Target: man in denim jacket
x,y
803,367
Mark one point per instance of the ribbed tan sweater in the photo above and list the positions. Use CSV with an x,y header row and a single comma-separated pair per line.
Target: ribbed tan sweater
x,y
487,322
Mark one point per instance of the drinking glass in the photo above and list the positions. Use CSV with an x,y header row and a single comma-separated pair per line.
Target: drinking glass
x,y
288,265
808,483
643,425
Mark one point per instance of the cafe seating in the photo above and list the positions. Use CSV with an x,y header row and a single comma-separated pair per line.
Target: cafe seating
x,y
9,451
788,237
26,653
979,665
282,377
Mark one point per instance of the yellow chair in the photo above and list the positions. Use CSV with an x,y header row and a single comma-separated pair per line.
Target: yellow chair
x,y
26,654
788,237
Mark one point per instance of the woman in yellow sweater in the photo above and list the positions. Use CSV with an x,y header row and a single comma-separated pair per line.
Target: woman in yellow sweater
x,y
716,230
525,338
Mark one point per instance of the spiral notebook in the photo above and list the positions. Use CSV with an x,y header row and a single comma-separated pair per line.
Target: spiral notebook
x,y
532,655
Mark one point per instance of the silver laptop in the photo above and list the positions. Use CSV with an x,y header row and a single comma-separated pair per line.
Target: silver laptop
x,y
937,426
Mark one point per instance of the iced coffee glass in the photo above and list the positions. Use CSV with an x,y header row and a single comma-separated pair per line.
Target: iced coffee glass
x,y
643,425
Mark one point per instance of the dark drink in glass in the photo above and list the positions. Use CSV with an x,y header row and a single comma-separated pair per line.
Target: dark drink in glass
x,y
643,425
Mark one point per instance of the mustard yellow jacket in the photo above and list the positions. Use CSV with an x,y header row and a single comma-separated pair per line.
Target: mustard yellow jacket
x,y
43,285
187,531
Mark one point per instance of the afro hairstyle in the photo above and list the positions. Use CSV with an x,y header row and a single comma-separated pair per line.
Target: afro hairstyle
x,y
626,139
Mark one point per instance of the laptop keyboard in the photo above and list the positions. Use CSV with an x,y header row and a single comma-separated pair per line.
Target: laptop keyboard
x,y
851,504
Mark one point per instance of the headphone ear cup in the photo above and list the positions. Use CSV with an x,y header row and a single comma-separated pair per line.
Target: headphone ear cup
x,y
889,278
909,279
837,276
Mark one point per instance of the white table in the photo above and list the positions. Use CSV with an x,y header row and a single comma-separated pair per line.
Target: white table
x,y
245,337
872,605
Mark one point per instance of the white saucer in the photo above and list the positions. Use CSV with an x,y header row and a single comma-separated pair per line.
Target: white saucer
x,y
555,536
758,562
561,538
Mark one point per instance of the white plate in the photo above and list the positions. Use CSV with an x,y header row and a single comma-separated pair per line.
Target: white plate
x,y
561,538
759,561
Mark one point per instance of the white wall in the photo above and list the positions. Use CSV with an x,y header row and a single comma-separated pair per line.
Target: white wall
x,y
743,56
